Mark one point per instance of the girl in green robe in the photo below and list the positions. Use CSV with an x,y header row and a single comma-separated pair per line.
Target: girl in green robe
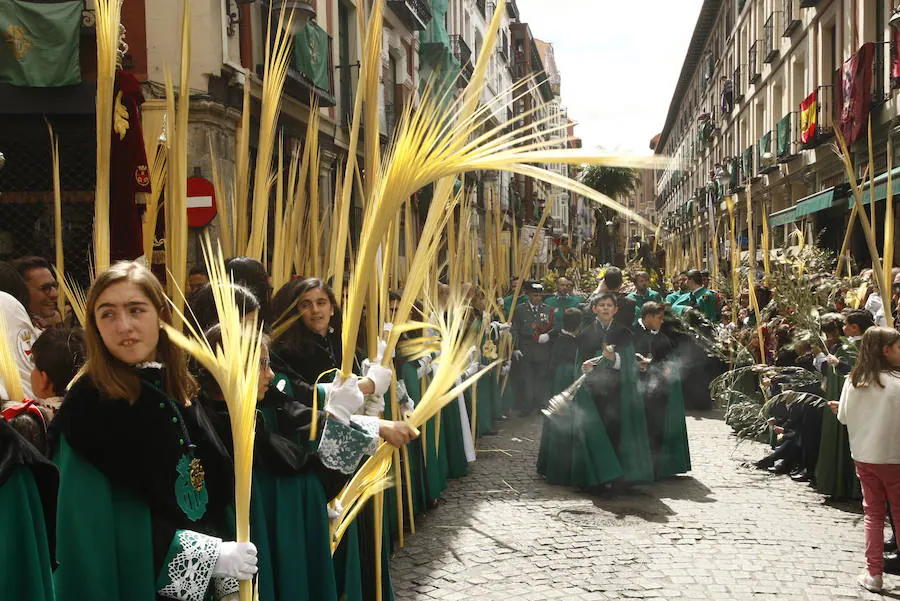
x,y
145,482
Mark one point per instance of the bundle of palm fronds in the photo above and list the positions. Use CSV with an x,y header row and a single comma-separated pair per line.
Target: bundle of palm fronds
x,y
456,340
760,376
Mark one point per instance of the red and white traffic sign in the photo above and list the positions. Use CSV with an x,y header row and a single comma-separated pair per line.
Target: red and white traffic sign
x,y
201,201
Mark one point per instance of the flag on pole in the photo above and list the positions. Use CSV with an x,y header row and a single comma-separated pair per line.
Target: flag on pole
x,y
808,117
39,42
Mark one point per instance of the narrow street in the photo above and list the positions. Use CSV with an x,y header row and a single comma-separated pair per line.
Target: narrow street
x,y
724,532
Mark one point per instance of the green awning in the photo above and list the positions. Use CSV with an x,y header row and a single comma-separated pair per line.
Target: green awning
x,y
783,217
816,202
881,188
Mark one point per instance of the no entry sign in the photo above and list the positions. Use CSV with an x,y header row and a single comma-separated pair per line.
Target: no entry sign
x,y
201,201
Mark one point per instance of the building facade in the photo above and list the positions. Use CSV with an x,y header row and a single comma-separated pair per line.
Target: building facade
x,y
424,40
764,85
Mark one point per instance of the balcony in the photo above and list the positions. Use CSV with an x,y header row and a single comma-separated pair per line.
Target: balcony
x,y
311,71
415,14
770,50
823,128
480,5
791,14
464,55
738,84
512,10
765,158
787,138
753,70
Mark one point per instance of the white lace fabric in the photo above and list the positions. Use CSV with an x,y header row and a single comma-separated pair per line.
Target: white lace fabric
x,y
342,447
189,571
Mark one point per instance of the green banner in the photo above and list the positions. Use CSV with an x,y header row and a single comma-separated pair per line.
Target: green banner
x,y
747,162
311,55
783,130
765,145
39,42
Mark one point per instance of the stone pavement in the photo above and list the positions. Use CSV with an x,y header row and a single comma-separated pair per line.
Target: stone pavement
x,y
724,532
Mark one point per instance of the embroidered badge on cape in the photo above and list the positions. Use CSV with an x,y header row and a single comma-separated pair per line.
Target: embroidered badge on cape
x,y
190,488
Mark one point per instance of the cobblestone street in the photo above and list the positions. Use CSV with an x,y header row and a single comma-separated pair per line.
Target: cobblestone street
x,y
724,532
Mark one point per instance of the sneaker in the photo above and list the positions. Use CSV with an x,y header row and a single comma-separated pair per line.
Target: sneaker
x,y
869,582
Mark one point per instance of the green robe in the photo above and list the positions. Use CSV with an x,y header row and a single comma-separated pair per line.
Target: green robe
x,y
651,296
117,524
835,471
705,302
561,303
675,454
433,447
24,548
575,449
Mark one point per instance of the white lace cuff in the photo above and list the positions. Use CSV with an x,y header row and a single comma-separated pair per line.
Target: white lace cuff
x,y
370,425
222,587
188,566
342,447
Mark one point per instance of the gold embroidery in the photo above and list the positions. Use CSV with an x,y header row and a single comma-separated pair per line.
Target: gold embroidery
x,y
120,117
197,475
17,37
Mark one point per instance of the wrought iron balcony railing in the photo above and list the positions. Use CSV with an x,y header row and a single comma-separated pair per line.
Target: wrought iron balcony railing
x,y
738,85
753,69
770,48
463,54
790,13
415,14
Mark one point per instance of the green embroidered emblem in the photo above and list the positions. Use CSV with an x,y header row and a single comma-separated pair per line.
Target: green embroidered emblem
x,y
190,488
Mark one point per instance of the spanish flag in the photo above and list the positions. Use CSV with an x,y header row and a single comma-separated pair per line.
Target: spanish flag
x,y
808,110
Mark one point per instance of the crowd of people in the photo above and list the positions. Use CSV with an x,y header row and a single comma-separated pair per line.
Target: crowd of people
x,y
116,466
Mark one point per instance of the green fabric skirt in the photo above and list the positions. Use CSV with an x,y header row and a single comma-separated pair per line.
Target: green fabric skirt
x,y
289,526
457,465
675,454
575,449
24,552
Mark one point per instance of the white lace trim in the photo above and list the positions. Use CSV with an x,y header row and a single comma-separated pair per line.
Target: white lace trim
x,y
222,587
342,446
371,425
190,570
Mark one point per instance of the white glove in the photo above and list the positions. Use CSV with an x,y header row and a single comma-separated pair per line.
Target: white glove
x,y
236,560
335,512
381,347
543,338
472,370
374,405
517,355
344,399
503,326
388,326
504,369
424,366
381,377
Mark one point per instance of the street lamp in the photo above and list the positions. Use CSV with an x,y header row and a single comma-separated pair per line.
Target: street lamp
x,y
723,176
303,12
